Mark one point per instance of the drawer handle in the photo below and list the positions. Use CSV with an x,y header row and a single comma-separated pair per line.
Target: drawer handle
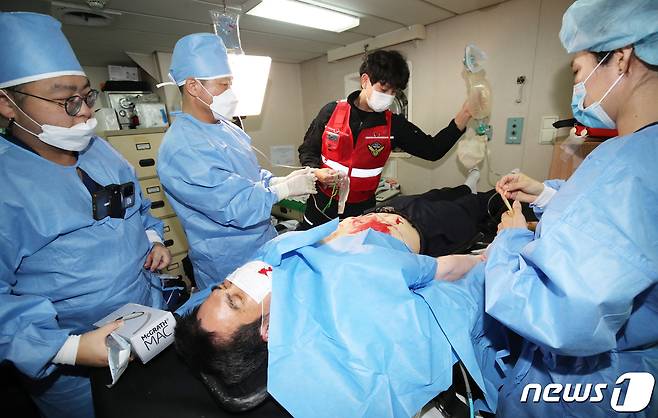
x,y
168,242
147,162
157,204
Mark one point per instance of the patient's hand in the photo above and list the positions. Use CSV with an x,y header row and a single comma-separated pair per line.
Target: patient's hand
x,y
158,258
454,267
513,220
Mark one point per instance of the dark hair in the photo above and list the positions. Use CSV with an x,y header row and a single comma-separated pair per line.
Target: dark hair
x,y
231,360
16,97
387,68
601,57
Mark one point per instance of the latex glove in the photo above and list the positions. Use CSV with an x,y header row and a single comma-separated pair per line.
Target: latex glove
x,y
296,186
158,258
513,220
278,180
92,350
519,187
327,176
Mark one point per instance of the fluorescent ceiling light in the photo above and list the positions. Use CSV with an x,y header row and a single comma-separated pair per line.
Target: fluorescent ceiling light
x,y
304,14
250,74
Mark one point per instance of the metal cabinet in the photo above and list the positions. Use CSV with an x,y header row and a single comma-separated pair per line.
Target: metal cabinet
x,y
141,150
140,147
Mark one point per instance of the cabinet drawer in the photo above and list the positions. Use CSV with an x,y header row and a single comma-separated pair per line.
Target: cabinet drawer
x,y
174,236
140,150
152,190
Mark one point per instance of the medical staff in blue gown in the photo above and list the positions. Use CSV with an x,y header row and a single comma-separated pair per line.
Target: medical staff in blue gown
x,y
581,290
208,170
360,327
60,269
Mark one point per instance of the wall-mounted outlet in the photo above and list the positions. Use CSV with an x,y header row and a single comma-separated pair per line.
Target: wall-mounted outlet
x,y
514,130
547,133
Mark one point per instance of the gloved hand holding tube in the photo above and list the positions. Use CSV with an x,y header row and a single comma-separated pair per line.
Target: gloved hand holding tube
x,y
298,185
327,176
278,180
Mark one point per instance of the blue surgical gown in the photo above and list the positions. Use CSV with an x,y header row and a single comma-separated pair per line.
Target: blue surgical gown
x,y
61,270
214,183
582,291
360,328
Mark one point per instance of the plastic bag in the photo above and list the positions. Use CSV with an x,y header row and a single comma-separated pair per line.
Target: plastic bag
x,y
478,90
472,149
343,191
571,145
227,27
478,93
474,58
118,356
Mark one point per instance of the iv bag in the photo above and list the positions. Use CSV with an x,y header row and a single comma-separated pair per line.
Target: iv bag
x,y
227,27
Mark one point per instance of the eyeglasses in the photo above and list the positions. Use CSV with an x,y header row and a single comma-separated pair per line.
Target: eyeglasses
x,y
72,105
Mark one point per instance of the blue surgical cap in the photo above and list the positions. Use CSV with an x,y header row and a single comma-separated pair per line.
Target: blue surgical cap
x,y
34,48
606,25
200,55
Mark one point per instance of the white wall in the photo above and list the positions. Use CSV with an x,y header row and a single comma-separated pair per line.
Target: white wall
x,y
520,37
281,122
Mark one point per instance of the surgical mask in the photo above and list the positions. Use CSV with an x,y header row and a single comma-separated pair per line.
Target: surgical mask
x,y
379,101
594,116
224,105
75,138
254,278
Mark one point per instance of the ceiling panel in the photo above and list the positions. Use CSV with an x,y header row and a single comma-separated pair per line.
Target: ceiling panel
x,y
464,6
281,48
149,25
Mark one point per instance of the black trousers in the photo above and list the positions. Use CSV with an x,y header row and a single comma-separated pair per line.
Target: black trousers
x,y
450,219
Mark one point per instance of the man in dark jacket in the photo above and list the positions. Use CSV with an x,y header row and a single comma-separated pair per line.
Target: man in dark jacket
x,y
355,137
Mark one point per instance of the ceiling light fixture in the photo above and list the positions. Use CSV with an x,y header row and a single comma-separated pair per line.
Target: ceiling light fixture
x,y
304,14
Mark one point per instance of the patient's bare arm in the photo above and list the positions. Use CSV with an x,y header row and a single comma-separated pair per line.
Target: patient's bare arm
x,y
454,267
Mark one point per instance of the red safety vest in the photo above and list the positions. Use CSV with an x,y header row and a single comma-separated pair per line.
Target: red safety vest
x,y
364,161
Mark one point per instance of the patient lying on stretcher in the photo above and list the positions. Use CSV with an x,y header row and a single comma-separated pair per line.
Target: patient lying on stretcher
x,y
341,296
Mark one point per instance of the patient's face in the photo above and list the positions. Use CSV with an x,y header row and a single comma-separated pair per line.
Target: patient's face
x,y
388,223
228,308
